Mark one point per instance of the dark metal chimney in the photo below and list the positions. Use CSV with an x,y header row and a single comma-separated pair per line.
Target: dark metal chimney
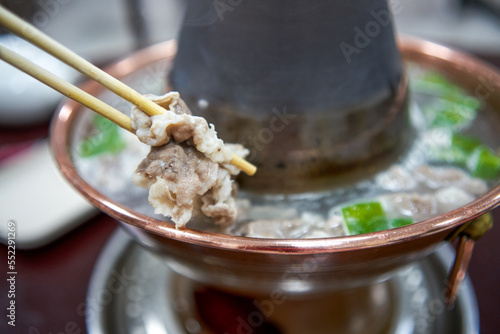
x,y
316,89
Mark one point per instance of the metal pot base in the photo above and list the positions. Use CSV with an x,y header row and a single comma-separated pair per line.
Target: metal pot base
x,y
133,291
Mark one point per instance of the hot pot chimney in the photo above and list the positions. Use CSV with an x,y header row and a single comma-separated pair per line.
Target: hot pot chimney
x,y
316,89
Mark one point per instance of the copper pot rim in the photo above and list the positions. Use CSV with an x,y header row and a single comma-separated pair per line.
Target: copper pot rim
x,y
60,139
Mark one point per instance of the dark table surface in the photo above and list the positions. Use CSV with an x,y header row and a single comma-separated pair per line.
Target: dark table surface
x,y
51,282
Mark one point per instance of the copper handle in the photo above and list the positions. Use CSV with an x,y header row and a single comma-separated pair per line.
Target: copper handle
x,y
471,233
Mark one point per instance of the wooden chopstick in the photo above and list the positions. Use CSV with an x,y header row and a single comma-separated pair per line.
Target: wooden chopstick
x,y
89,101
44,42
31,34
65,88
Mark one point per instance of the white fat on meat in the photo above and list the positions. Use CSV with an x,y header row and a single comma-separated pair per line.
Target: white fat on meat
x,y
188,168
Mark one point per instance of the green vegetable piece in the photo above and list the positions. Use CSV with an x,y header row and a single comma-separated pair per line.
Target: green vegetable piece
x,y
465,143
455,108
484,163
452,155
399,222
463,100
435,82
106,140
437,78
365,217
449,115
459,151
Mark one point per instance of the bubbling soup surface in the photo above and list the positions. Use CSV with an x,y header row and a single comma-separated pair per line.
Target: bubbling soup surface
x,y
452,161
